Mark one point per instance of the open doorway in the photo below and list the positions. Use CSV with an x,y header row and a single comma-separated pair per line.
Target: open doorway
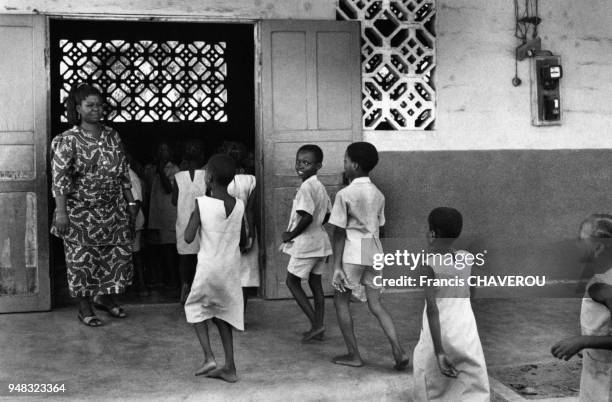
x,y
166,82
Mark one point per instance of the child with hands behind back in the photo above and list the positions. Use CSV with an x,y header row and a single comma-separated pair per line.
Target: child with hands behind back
x,y
306,241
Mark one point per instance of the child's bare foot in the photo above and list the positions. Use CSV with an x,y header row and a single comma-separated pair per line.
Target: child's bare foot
x,y
401,364
348,360
314,333
224,374
207,367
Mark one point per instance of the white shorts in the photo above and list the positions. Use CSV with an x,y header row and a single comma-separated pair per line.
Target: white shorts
x,y
360,275
303,267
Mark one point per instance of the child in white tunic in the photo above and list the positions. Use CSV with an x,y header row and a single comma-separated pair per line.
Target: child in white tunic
x,y
216,294
243,188
188,185
595,322
448,361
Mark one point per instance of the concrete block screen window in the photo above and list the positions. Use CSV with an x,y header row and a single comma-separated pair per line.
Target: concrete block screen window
x,y
398,61
150,81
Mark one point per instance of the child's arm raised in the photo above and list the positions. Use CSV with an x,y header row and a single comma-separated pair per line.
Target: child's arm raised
x,y
194,224
305,220
433,317
566,348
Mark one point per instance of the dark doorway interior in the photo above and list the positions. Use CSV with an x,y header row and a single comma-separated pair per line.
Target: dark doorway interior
x,y
164,81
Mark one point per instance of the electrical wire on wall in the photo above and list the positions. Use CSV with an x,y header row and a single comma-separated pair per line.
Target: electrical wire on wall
x,y
526,23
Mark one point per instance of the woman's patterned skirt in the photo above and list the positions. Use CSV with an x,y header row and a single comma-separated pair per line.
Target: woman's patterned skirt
x,y
98,270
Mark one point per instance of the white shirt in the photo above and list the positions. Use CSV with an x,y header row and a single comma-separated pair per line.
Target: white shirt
x,y
360,209
311,197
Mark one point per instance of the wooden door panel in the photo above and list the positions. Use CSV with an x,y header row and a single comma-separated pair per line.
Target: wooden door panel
x,y
310,93
24,242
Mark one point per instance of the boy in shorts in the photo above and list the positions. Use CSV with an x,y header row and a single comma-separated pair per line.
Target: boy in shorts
x,y
306,241
358,214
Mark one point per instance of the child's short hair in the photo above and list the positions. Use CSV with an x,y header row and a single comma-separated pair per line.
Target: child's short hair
x,y
313,149
222,168
446,222
364,154
601,225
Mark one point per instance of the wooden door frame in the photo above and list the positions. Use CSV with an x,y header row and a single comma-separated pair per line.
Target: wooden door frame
x,y
34,301
256,24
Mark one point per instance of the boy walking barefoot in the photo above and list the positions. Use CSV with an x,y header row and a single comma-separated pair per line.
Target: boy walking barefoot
x,y
216,294
358,214
305,239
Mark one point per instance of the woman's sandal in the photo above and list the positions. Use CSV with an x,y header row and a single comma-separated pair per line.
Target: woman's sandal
x,y
114,311
90,321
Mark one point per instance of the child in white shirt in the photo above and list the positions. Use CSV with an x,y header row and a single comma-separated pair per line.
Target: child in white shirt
x,y
306,240
358,214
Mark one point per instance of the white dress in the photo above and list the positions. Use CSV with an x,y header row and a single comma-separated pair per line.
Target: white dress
x,y
461,344
596,378
216,290
189,190
241,187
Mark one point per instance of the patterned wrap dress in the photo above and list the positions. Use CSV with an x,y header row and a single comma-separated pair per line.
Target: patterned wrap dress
x,y
98,243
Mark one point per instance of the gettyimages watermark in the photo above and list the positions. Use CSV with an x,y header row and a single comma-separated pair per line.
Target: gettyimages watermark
x,y
482,268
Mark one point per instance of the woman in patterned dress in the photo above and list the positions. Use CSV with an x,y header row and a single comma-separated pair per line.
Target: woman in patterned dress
x,y
94,206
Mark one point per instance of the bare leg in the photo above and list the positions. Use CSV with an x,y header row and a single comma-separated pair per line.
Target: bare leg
x,y
228,371
386,323
85,306
294,283
314,281
345,320
186,273
210,364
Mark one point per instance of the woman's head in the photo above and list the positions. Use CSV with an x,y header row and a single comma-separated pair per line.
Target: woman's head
x,y
84,103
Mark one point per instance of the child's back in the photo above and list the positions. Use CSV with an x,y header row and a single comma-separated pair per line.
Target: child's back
x,y
360,208
459,338
216,290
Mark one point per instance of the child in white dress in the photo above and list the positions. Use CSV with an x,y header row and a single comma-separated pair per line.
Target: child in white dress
x,y
448,361
595,343
243,187
188,185
216,294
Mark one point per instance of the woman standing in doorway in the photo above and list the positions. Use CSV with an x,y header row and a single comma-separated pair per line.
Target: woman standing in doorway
x,y
95,210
